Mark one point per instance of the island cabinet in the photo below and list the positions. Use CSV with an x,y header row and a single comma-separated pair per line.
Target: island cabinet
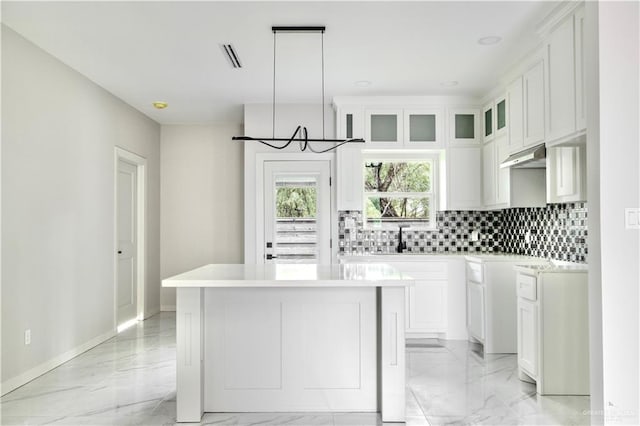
x,y
564,82
552,328
290,337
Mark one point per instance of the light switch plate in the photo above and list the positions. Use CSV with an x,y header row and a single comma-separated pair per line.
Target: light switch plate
x,y
632,218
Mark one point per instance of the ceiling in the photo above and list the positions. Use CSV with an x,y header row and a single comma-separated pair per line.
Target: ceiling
x,y
170,51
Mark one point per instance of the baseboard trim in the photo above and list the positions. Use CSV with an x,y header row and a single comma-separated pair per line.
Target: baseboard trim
x,y
24,378
167,308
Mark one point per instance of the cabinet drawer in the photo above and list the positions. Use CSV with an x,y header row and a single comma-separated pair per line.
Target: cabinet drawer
x,y
474,272
423,270
527,287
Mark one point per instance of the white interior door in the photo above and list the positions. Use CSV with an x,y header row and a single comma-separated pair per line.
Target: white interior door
x,y
126,229
297,212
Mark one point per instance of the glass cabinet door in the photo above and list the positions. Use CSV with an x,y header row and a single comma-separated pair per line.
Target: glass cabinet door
x,y
464,126
487,129
501,115
422,128
383,126
349,123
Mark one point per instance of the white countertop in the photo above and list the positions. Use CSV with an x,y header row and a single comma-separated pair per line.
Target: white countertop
x,y
551,267
291,275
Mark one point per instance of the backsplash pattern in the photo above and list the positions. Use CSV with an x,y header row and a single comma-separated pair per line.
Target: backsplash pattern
x,y
557,231
453,234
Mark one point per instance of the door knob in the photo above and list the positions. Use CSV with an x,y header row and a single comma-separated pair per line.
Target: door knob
x,y
119,251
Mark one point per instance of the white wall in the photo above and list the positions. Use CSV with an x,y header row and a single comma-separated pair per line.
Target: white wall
x,y
619,152
202,193
59,131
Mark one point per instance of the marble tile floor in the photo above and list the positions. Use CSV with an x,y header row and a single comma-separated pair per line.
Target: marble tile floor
x,y
130,380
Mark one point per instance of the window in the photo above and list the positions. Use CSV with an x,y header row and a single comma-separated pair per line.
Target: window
x,y
400,190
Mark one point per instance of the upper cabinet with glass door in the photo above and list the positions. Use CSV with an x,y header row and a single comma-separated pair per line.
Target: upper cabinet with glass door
x,y
350,122
501,115
423,128
488,124
384,127
464,126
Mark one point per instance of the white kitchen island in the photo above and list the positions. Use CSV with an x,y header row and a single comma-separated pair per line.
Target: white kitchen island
x,y
290,338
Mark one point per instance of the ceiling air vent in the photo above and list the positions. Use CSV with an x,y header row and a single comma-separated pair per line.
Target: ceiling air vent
x,y
231,55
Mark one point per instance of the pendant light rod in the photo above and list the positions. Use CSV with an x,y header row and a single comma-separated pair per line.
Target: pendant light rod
x,y
306,29
301,134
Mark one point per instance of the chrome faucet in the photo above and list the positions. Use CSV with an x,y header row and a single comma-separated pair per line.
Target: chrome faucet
x,y
402,245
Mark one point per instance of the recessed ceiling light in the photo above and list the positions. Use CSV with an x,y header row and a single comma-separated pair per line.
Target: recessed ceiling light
x,y
160,105
489,40
449,83
363,83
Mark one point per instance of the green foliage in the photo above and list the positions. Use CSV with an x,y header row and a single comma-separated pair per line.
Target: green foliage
x,y
397,177
296,202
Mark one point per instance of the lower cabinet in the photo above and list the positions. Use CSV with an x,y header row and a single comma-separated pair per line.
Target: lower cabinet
x,y
553,329
427,307
475,310
528,337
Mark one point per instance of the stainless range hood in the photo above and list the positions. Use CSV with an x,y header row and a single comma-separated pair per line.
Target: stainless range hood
x,y
532,158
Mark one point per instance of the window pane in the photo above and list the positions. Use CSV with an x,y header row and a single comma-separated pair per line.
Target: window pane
x,y
294,201
465,126
397,177
385,210
384,128
296,234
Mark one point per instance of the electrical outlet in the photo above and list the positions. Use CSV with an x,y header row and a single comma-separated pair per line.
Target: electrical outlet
x,y
527,237
475,235
27,336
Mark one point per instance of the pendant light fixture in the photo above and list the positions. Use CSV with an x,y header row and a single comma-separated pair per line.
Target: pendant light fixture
x,y
300,134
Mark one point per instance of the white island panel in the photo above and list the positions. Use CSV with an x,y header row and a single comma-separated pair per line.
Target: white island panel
x,y
290,338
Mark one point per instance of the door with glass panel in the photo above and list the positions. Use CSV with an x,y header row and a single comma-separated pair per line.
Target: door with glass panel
x,y
297,212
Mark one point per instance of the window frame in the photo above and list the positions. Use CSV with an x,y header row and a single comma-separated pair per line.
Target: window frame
x,y
432,195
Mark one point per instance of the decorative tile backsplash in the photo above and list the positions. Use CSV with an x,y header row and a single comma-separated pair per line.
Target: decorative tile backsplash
x,y
557,231
453,234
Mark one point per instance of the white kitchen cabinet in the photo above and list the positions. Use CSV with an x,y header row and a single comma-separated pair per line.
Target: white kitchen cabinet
x,y
553,328
489,172
464,126
565,112
350,122
581,108
491,303
501,113
423,128
350,177
503,175
496,181
464,178
528,337
427,307
436,303
384,127
515,107
349,173
566,174
475,310
534,102
488,122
